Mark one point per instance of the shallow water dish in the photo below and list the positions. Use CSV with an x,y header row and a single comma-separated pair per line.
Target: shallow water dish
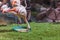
x,y
20,29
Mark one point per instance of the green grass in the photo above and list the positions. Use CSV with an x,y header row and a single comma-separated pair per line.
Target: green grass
x,y
40,31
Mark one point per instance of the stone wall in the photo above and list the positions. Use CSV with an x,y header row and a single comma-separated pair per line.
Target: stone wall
x,y
7,19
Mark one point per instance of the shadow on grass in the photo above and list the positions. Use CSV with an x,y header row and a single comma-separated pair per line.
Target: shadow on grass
x,y
3,31
3,25
56,22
